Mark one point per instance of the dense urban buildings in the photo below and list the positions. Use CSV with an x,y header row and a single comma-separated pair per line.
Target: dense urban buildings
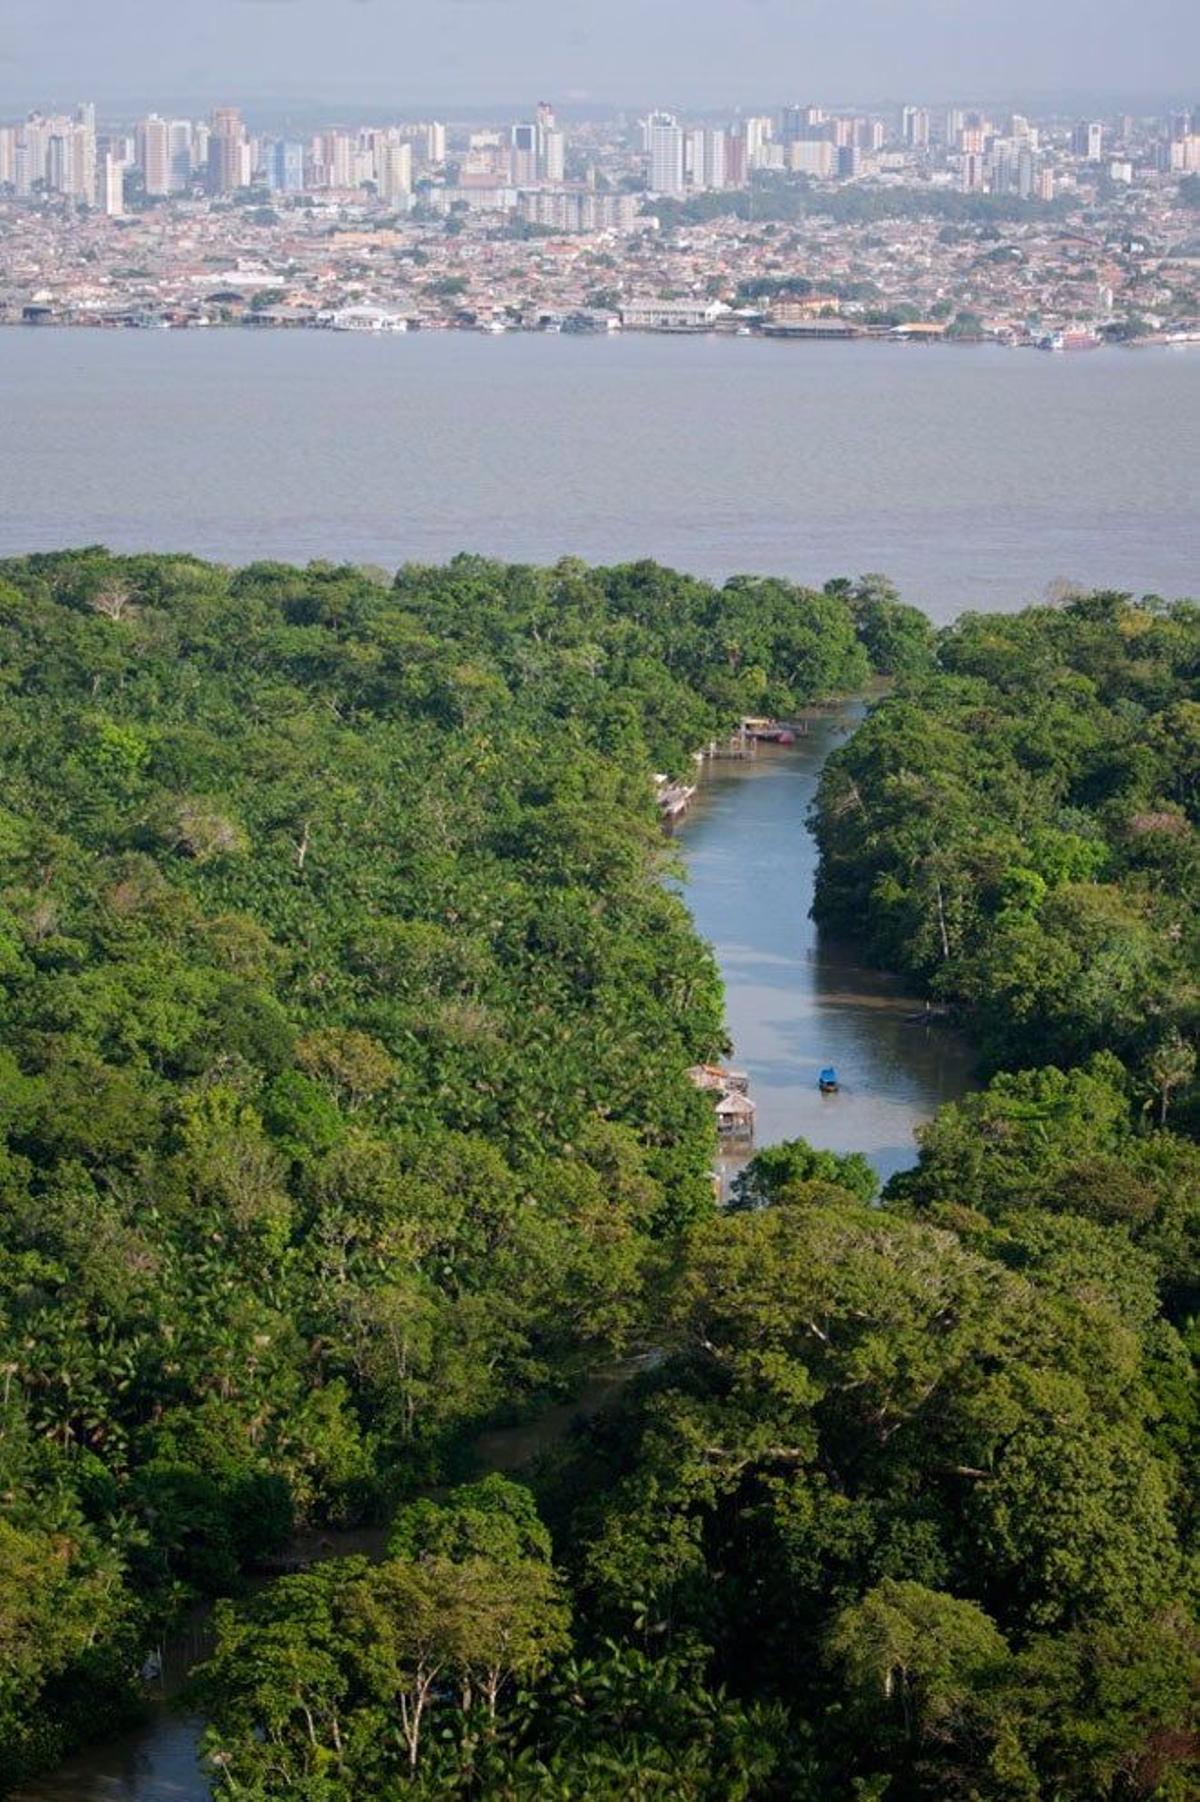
x,y
809,221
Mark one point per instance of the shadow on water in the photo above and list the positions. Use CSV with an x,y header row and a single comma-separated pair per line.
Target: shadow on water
x,y
795,1000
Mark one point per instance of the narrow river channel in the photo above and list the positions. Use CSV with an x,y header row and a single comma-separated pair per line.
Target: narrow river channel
x,y
794,1002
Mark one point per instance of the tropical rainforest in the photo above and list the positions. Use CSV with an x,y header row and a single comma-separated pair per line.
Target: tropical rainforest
x,y
346,1016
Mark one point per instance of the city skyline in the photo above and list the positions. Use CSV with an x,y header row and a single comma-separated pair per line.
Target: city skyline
x,y
472,53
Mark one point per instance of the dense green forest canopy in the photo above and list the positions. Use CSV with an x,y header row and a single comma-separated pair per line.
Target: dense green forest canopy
x,y
1016,827
344,1026
346,1017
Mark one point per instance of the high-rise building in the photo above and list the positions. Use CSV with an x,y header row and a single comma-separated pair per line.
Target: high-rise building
x,y
554,155
228,152
956,118
435,142
154,155
179,155
8,156
704,159
393,170
1087,140
792,123
523,155
757,133
715,147
112,185
283,166
914,127
812,156
971,173
664,141
551,144
33,149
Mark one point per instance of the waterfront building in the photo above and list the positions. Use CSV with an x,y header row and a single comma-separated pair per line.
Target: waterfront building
x,y
671,315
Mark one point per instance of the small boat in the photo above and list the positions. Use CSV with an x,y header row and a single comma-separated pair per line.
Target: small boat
x,y
827,1081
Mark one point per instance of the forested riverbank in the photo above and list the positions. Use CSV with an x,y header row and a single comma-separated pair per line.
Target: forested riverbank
x,y
345,1022
345,1027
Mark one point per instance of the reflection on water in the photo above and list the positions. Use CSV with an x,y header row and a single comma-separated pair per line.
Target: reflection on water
x,y
152,1763
795,1000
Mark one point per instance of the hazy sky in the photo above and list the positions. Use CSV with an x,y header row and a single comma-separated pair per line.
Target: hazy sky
x,y
682,52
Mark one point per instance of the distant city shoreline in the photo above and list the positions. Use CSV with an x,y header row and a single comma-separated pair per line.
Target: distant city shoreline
x,y
1056,342
805,223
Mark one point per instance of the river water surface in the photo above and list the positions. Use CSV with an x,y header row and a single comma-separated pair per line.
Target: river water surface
x,y
973,476
794,1003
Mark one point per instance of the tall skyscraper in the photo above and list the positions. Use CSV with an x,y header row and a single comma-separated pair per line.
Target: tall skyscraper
x,y
435,142
664,141
1087,140
112,185
283,164
523,155
914,127
393,170
154,155
793,121
33,149
227,152
552,152
179,155
551,144
757,133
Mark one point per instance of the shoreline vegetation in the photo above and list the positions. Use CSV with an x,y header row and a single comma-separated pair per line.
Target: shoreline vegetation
x,y
346,1021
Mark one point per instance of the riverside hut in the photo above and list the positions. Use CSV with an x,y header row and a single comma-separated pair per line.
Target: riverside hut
x,y
735,1116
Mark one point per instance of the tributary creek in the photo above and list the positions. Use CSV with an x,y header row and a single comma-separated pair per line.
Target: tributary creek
x,y
794,1003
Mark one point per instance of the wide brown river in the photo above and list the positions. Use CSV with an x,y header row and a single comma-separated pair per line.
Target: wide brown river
x,y
794,1002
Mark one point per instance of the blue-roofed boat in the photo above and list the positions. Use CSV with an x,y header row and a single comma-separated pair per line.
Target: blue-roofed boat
x,y
827,1081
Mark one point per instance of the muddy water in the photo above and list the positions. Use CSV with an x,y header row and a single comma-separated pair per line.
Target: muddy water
x,y
795,1002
